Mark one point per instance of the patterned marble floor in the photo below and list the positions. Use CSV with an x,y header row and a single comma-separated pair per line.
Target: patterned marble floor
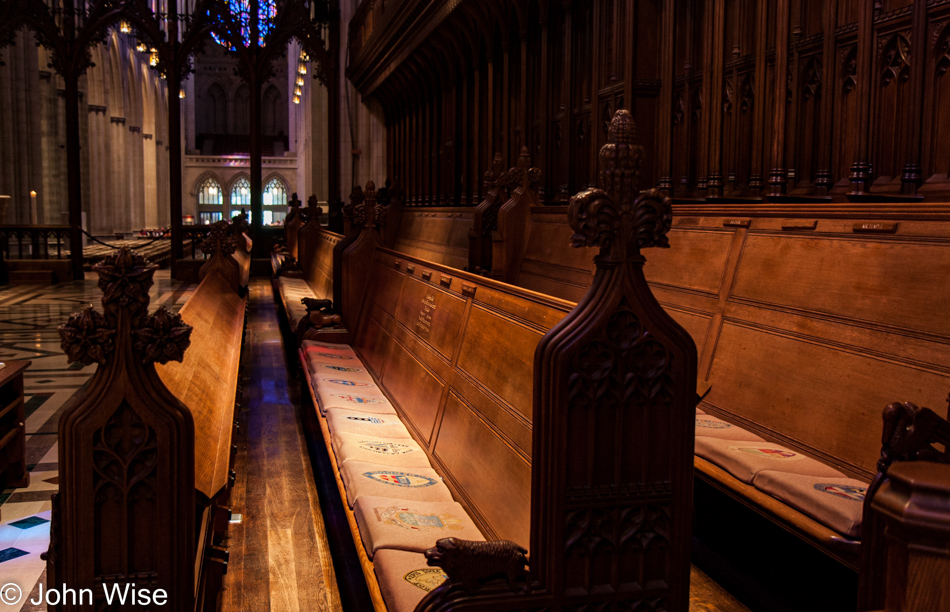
x,y
29,318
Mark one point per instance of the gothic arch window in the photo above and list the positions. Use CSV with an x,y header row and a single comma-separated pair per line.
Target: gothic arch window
x,y
210,194
213,111
275,193
242,110
273,113
241,197
275,196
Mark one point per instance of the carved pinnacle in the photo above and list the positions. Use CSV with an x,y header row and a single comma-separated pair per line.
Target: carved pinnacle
x,y
616,217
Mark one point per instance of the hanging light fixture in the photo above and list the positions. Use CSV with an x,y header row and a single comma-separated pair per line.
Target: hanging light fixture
x,y
124,27
181,93
153,58
297,91
141,48
296,99
299,81
302,69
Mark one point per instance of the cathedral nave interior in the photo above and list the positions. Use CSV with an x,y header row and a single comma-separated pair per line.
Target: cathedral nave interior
x,y
430,305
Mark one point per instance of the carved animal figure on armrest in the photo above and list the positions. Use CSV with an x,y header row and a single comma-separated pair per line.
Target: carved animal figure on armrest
x,y
319,311
469,563
315,304
909,434
288,267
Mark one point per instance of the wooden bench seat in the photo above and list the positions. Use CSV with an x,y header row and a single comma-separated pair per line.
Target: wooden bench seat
x,y
145,447
451,354
312,277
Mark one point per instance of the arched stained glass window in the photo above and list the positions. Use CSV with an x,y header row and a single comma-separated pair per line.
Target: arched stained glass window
x,y
241,194
275,194
241,10
210,193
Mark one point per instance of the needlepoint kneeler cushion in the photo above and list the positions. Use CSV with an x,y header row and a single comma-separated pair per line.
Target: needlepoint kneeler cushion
x,y
386,522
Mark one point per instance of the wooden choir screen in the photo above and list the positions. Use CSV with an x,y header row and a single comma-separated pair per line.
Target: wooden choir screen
x,y
736,98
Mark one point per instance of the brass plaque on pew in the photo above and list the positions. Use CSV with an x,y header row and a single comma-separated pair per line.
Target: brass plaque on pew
x,y
798,224
737,222
424,322
875,228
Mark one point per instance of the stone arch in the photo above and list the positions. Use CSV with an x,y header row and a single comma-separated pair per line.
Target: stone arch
x,y
209,174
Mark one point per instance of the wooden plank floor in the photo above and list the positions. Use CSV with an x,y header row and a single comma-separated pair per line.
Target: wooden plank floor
x,y
279,557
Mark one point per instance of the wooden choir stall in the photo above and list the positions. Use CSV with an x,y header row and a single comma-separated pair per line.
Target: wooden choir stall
x,y
734,270
426,412
145,448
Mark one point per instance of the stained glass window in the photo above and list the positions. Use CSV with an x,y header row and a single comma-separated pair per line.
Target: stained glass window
x,y
210,193
241,194
275,194
241,10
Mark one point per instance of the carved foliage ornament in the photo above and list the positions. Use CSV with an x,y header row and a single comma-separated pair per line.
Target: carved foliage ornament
x,y
86,337
125,278
616,217
219,238
162,338
355,206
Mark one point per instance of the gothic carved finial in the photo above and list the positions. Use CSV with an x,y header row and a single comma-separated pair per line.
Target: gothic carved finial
x,y
86,337
469,564
616,217
294,201
356,201
163,337
239,224
219,238
312,206
492,175
368,211
125,279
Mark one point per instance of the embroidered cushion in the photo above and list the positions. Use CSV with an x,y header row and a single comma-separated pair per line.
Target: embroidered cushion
x,y
354,372
385,522
374,402
405,578
711,427
312,347
315,358
395,452
415,484
344,420
835,502
745,459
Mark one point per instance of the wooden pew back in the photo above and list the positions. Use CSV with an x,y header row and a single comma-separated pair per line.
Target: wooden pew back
x,y
206,379
808,320
315,245
455,352
439,235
